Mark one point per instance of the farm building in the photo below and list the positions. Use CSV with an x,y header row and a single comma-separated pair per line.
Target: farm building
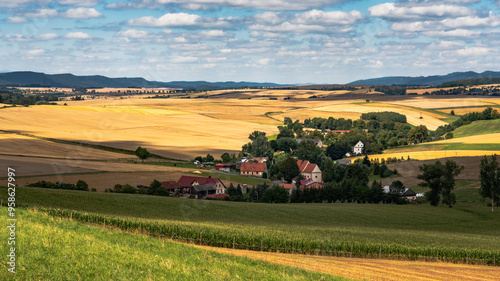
x,y
310,184
343,161
259,159
170,186
224,167
186,183
318,142
407,193
288,186
309,170
253,169
201,191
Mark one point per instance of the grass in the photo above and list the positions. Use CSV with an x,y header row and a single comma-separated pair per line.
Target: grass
x,y
469,228
49,248
478,128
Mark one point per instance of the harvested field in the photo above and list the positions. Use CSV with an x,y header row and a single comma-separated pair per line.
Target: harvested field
x,y
431,120
486,138
425,155
19,145
33,166
424,102
176,136
371,269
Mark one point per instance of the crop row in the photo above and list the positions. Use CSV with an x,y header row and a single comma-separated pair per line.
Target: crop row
x,y
226,236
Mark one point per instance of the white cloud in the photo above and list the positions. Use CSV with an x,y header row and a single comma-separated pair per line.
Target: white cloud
x,y
265,61
179,20
268,18
42,13
327,18
48,36
457,33
81,13
274,5
215,59
133,33
183,59
16,20
467,52
78,35
445,45
268,35
79,3
35,52
22,3
180,39
212,34
391,11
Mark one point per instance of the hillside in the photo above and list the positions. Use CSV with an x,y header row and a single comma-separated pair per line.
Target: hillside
x,y
67,80
426,80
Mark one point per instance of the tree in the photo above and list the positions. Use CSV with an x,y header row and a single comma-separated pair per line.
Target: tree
x,y
310,151
336,151
289,168
82,185
155,188
448,135
490,180
226,158
285,133
452,112
276,194
142,153
441,180
328,171
209,158
255,134
418,134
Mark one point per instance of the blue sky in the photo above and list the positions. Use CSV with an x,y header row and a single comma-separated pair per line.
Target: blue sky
x,y
282,41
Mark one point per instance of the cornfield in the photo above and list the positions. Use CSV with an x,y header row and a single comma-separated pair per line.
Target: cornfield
x,y
229,237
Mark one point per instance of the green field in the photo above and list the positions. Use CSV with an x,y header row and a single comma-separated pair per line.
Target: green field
x,y
478,128
49,248
414,231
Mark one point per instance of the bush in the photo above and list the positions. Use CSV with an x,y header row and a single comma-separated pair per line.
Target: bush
x,y
93,189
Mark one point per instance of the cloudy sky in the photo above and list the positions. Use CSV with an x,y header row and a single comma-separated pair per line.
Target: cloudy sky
x,y
283,41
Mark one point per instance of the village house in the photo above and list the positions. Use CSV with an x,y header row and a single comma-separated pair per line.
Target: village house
x,y
309,170
253,169
224,167
170,186
186,183
201,191
407,193
358,148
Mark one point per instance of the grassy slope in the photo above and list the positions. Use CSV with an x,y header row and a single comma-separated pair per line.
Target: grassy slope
x,y
54,249
466,226
478,128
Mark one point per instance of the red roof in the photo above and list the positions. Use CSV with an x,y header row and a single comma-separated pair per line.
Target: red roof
x,y
340,131
253,167
310,184
287,185
217,196
169,184
187,181
221,165
306,166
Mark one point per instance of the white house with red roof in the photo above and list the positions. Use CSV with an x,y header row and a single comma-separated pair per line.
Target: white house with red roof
x,y
309,170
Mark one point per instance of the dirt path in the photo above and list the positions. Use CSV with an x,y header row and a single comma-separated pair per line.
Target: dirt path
x,y
372,269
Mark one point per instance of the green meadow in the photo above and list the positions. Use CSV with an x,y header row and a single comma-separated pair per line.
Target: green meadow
x,y
50,248
468,230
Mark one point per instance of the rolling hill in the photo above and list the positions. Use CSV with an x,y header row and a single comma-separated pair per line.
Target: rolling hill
x,y
426,80
67,80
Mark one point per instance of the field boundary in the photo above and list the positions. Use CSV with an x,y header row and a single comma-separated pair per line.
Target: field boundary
x,y
203,236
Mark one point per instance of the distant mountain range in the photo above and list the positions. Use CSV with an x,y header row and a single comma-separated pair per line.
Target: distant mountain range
x,y
426,80
37,79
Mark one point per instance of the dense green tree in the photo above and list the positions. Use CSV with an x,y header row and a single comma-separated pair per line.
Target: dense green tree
x,y
418,134
289,168
142,153
286,144
296,196
336,151
155,188
310,151
285,132
275,194
490,180
128,189
441,181
82,185
226,158
328,171
255,134
209,158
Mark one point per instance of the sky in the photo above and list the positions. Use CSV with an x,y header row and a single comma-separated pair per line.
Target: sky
x,y
281,41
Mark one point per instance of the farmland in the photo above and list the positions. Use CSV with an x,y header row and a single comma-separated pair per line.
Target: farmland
x,y
467,230
50,247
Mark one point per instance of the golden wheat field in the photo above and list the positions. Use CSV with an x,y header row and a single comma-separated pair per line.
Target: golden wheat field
x,y
14,144
435,154
371,269
461,111
183,128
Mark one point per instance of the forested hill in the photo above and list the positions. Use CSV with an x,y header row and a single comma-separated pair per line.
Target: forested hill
x,y
37,79
426,80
